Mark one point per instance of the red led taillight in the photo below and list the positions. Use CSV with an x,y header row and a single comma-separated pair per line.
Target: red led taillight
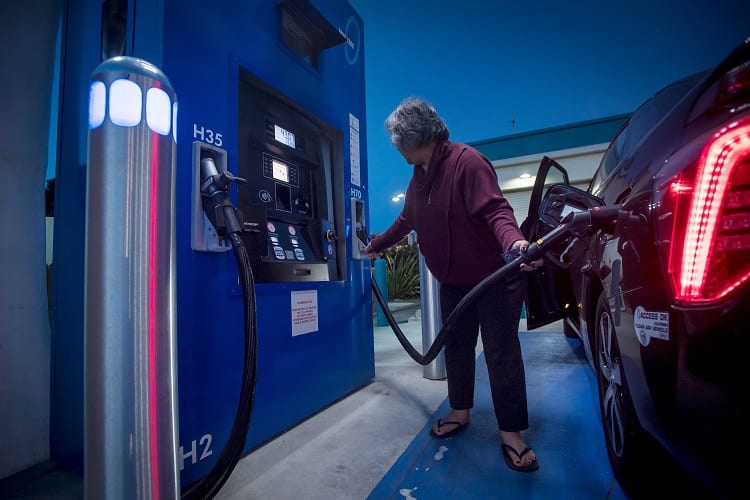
x,y
712,220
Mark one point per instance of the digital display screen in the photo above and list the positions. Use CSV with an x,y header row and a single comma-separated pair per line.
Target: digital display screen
x,y
284,136
280,171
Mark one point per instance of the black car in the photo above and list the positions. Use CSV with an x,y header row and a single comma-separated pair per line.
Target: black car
x,y
660,296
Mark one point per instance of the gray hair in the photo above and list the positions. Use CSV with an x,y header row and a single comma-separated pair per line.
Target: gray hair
x,y
415,123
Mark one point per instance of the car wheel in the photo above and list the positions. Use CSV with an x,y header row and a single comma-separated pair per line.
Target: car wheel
x,y
622,431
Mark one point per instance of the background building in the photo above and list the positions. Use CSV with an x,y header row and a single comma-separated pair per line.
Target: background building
x,y
578,147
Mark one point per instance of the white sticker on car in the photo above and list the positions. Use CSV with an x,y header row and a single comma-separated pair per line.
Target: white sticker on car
x,y
650,324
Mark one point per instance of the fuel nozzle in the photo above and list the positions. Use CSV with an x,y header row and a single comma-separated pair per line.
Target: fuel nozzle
x,y
577,223
362,234
215,195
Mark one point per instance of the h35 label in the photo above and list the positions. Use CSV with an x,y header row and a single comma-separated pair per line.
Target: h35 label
x,y
207,135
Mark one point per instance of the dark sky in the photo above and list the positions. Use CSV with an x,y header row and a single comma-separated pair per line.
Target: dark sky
x,y
496,68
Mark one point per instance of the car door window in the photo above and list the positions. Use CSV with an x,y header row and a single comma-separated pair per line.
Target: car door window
x,y
554,176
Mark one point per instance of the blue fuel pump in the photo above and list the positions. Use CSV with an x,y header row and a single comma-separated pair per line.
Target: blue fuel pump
x,y
271,92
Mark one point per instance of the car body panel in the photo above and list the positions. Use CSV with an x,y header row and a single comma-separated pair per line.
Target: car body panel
x,y
683,362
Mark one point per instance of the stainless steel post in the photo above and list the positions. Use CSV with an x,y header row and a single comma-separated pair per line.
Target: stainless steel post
x,y
431,320
130,346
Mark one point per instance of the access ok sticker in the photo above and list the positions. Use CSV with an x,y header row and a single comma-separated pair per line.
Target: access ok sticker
x,y
650,324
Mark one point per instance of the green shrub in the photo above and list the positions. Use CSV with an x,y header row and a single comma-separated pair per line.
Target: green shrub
x,y
402,270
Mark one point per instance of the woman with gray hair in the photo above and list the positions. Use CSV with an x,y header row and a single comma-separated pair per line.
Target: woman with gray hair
x,y
464,225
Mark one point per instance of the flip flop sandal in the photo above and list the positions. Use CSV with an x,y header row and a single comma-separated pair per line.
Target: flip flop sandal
x,y
507,450
450,433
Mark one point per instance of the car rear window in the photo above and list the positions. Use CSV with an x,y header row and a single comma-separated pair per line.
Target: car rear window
x,y
640,123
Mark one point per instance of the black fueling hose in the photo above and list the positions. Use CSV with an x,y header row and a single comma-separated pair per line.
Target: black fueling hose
x,y
504,272
222,214
574,223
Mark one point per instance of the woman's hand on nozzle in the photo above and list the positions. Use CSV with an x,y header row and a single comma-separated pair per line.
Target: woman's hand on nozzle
x,y
523,245
370,252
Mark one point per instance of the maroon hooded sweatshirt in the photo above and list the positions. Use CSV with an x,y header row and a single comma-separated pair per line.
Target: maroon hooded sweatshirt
x,y
463,222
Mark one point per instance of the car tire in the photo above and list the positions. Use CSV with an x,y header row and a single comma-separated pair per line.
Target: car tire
x,y
623,434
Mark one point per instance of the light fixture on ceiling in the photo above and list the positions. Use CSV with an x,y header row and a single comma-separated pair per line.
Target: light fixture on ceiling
x,y
398,197
525,175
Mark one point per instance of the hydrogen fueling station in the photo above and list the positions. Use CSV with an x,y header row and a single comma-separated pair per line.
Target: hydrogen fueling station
x,y
165,105
210,291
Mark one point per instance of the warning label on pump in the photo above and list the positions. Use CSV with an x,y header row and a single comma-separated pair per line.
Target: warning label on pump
x,y
354,150
304,312
650,324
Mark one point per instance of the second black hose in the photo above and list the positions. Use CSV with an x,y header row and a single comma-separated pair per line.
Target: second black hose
x,y
504,272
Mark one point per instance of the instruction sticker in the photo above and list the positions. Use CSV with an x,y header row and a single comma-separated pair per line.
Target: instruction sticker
x,y
354,150
650,324
304,312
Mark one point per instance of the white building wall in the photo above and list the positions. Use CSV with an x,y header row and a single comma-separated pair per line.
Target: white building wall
x,y
25,335
580,163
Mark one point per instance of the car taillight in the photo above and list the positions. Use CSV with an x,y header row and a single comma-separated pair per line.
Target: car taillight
x,y
709,249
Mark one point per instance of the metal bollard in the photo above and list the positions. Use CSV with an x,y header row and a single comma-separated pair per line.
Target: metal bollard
x,y
130,417
431,320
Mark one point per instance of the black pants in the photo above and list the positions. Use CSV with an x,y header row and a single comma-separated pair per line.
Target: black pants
x,y
496,312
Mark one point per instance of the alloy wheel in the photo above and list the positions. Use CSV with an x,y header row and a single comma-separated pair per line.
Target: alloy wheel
x,y
610,382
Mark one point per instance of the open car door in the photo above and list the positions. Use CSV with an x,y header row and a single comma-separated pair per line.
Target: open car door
x,y
550,294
